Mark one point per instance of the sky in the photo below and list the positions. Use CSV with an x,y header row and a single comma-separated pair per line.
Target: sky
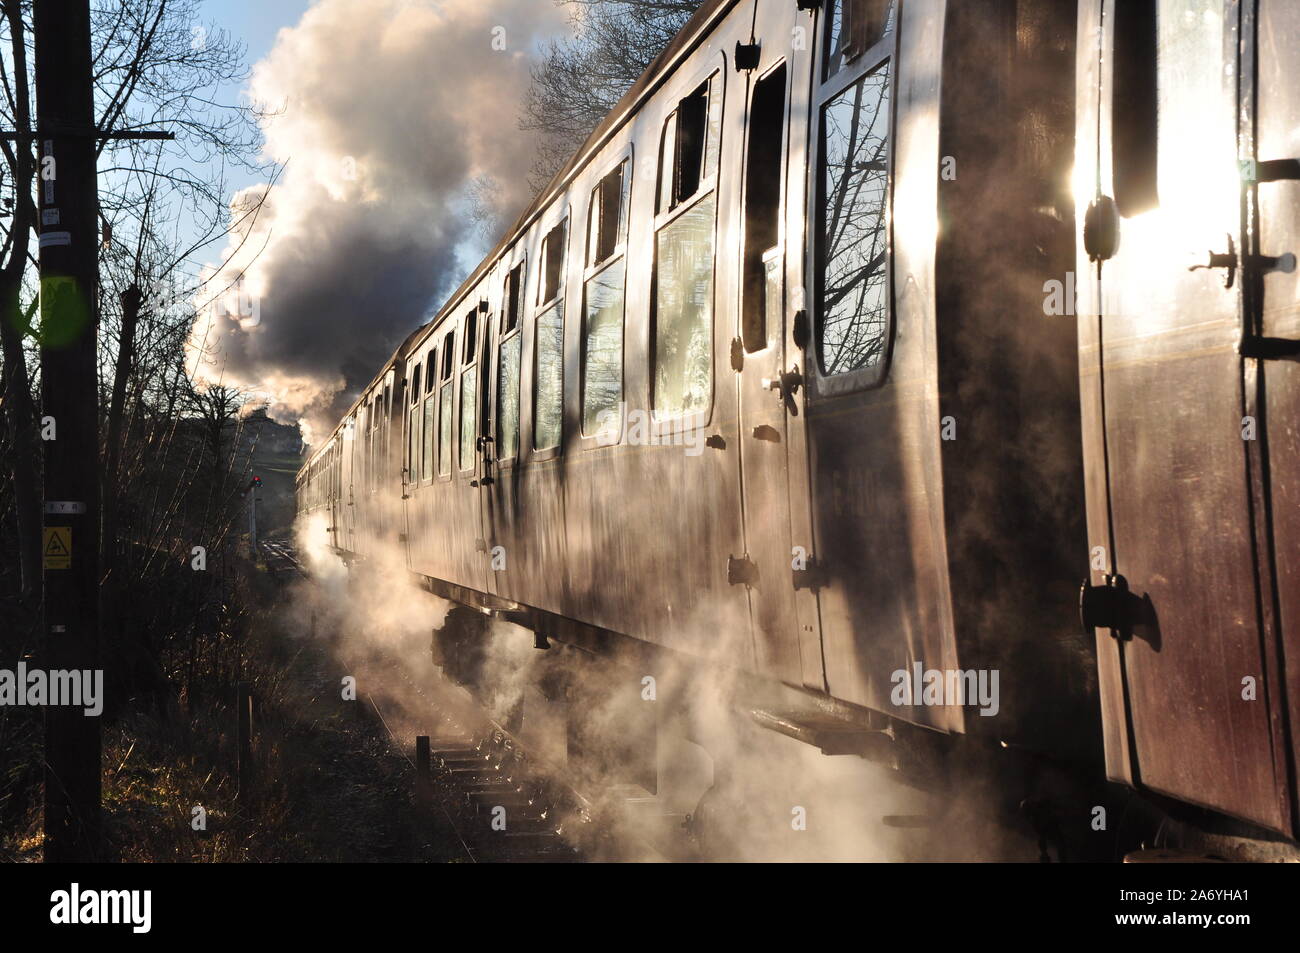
x,y
254,22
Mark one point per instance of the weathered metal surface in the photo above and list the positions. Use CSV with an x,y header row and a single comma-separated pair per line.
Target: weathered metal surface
x,y
1176,483
832,735
636,537
935,495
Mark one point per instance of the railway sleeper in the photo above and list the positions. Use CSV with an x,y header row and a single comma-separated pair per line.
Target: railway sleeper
x,y
518,824
509,842
473,780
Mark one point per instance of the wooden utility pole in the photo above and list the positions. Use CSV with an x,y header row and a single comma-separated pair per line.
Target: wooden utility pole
x,y
69,260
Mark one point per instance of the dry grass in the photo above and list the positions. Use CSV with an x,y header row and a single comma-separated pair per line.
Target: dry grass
x,y
328,787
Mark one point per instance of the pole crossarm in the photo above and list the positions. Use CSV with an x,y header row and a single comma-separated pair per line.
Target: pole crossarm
x,y
13,135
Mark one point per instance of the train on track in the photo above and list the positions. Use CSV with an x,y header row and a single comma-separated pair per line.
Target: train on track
x,y
933,364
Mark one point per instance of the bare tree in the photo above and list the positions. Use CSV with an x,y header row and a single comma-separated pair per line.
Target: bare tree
x,y
155,65
581,79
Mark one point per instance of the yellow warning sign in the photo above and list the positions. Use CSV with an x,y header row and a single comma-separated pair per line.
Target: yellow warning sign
x,y
58,547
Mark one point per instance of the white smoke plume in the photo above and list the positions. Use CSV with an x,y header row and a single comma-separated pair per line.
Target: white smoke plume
x,y
397,123
777,799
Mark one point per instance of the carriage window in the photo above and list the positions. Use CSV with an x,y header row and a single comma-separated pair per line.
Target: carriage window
x,y
688,153
1134,108
413,429
508,398
606,219
467,339
445,400
512,299
852,28
507,422
412,444
763,263
552,265
548,378
683,313
602,330
853,300
468,395
426,423
1196,164
602,345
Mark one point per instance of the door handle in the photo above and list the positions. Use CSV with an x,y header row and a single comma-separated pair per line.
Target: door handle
x,y
786,385
483,444
1226,260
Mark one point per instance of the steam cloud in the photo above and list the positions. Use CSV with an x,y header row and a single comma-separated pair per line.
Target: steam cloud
x,y
398,121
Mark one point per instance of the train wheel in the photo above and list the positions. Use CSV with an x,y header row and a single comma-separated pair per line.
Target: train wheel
x,y
459,646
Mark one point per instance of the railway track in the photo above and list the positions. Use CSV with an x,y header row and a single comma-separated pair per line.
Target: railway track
x,y
280,557
480,778
502,805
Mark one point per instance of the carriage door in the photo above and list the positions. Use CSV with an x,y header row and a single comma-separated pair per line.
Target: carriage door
x,y
1188,662
499,434
484,444
771,398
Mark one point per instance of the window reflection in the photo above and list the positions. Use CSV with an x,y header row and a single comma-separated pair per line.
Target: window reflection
x,y
548,388
683,353
468,415
852,27
508,398
444,430
854,307
602,385
426,464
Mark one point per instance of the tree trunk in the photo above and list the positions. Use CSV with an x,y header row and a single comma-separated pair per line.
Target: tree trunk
x,y
116,415
20,412
19,407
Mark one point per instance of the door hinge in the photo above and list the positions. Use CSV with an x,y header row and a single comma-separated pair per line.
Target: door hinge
x,y
800,332
747,56
1101,229
737,355
813,576
1110,606
741,571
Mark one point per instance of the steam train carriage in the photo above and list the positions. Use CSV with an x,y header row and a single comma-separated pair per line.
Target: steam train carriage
x,y
781,373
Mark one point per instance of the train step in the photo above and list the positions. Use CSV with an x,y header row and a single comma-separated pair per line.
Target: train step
x,y
833,735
